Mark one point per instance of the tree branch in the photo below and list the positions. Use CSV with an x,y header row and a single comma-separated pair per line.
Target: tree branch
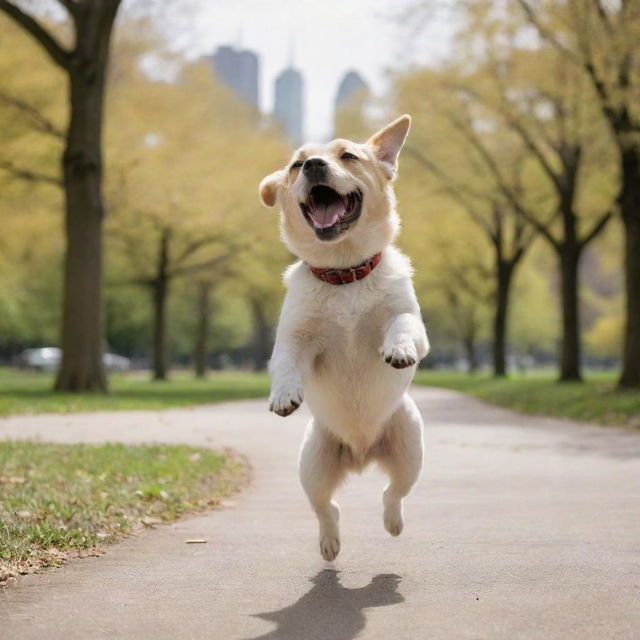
x,y
40,121
138,282
194,246
546,34
531,144
598,226
439,173
614,115
455,190
507,105
27,174
71,6
603,15
55,50
502,185
207,264
200,266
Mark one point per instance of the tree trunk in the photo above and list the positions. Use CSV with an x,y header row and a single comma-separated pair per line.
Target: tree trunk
x,y
469,343
504,271
201,352
262,335
570,358
630,209
82,322
82,339
160,291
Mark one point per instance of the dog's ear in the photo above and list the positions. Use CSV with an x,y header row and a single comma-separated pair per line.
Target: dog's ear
x,y
386,144
269,188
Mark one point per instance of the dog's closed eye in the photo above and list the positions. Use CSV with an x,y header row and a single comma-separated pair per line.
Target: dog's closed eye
x,y
348,156
296,165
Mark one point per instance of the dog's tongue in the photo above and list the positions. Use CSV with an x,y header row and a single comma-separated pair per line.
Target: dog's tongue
x,y
324,216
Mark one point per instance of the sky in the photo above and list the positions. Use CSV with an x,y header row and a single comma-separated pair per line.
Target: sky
x,y
325,39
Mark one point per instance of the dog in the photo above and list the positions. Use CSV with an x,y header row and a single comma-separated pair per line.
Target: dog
x,y
350,332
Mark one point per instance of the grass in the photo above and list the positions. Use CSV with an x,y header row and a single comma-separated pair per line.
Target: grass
x,y
28,392
60,501
595,400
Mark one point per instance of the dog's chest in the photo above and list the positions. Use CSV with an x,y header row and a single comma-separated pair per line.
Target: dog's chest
x,y
349,327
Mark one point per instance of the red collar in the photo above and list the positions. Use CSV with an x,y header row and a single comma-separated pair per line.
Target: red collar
x,y
345,276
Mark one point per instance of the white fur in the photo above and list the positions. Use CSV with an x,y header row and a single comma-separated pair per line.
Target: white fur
x,y
337,346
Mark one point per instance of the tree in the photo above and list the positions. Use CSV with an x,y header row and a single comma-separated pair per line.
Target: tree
x,y
465,301
462,285
603,40
31,117
261,285
177,253
34,120
462,149
548,105
506,231
187,165
193,217
453,263
549,117
203,313
534,316
85,65
30,260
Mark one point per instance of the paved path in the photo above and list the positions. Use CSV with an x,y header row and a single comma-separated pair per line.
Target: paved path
x,y
520,528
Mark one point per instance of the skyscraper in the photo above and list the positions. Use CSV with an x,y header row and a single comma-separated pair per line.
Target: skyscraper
x,y
351,85
351,103
238,70
288,107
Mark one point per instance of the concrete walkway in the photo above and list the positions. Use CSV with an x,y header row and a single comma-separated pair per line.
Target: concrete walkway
x,y
519,528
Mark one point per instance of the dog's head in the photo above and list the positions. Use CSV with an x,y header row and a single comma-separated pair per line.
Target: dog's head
x,y
336,200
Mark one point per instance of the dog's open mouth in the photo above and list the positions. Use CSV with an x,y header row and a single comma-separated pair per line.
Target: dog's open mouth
x,y
330,213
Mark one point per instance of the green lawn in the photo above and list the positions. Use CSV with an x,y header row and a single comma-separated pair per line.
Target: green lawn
x,y
595,400
27,392
60,501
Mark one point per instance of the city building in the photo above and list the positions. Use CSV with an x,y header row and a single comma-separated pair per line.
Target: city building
x,y
350,108
351,85
238,70
289,106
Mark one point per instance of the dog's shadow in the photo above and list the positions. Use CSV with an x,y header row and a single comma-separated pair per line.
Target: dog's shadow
x,y
329,611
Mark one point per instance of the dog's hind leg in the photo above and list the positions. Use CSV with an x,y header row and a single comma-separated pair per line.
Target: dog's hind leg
x,y
400,454
322,470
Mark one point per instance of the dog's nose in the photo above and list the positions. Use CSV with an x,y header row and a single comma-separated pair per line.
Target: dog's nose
x,y
315,168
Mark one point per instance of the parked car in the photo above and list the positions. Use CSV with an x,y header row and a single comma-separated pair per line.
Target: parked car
x,y
43,359
114,362
48,359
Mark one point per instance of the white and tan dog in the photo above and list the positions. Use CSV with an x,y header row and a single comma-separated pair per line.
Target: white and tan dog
x,y
350,332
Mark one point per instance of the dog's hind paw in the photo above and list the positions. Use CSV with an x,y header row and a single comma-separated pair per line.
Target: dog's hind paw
x,y
329,546
400,356
330,533
393,520
285,403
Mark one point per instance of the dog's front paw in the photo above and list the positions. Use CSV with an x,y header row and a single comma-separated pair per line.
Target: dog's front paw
x,y
284,402
400,356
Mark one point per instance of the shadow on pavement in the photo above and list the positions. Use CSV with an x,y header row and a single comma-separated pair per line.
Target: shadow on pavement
x,y
331,611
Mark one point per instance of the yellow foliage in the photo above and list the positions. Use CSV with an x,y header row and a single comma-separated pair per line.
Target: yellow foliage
x,y
605,337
